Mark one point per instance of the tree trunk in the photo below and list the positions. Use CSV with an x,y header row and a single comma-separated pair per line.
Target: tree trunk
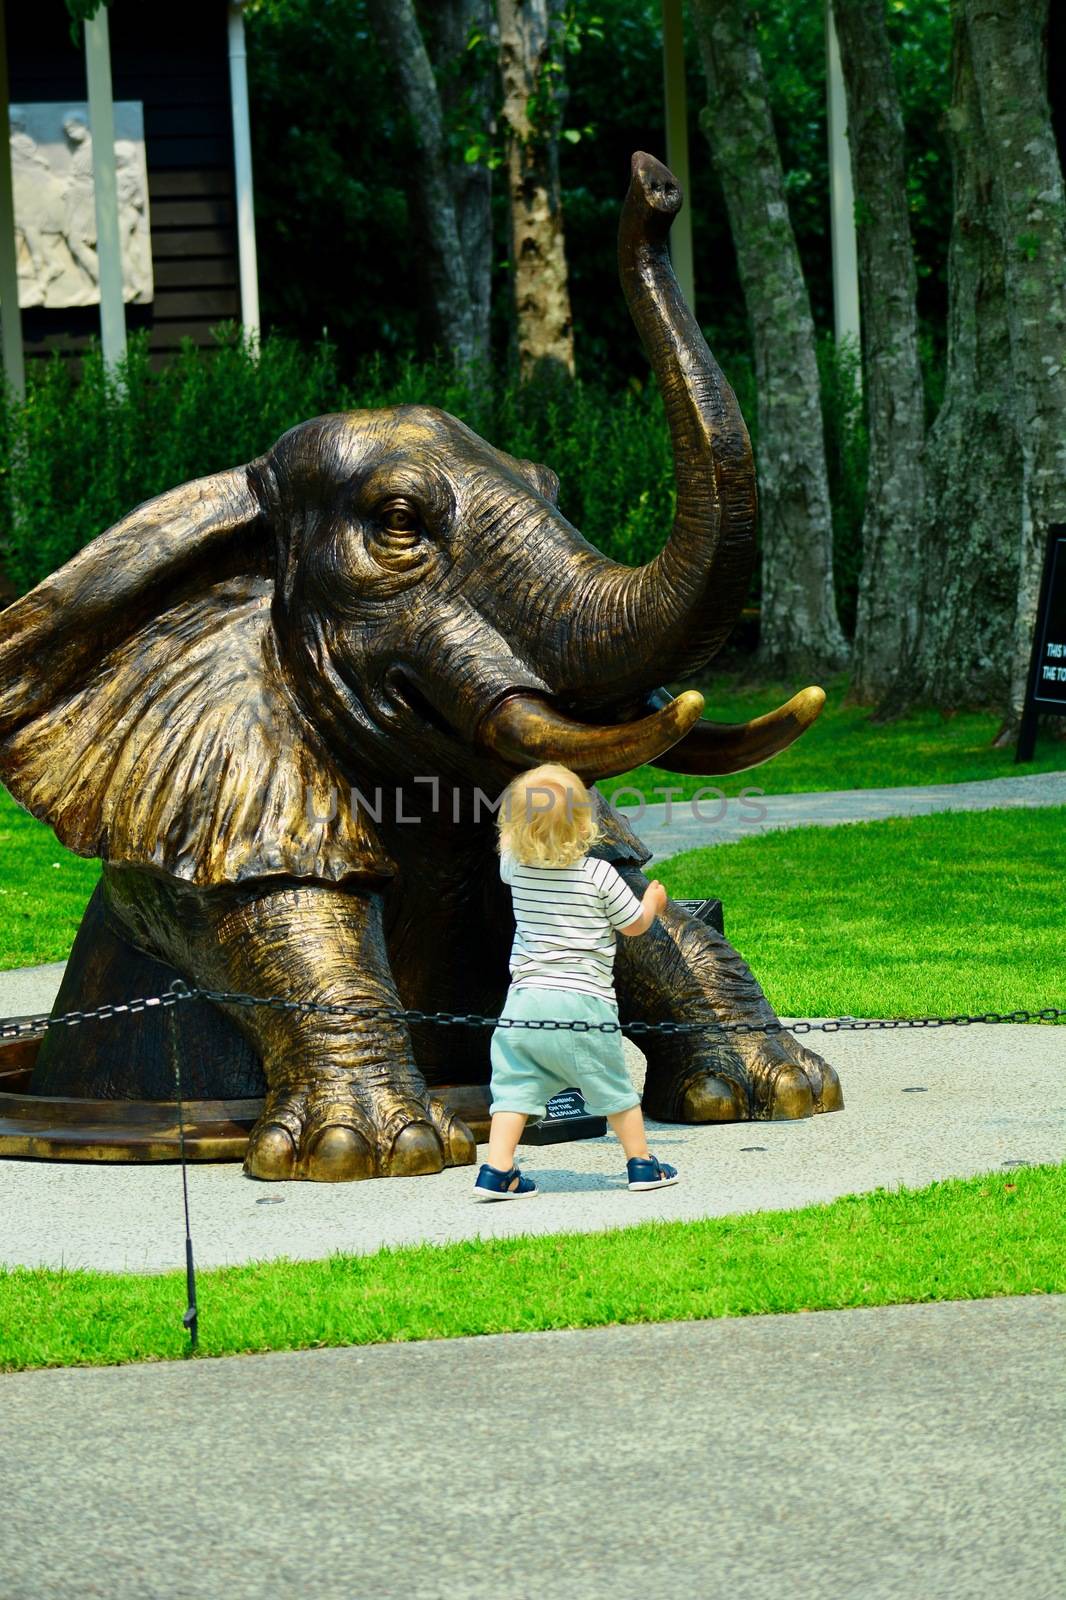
x,y
995,467
1008,43
969,565
887,614
438,236
466,86
800,632
538,254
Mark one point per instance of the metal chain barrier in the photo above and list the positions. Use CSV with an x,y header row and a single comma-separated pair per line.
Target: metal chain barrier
x,y
180,992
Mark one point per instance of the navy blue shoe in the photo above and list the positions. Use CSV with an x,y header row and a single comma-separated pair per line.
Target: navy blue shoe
x,y
647,1173
495,1185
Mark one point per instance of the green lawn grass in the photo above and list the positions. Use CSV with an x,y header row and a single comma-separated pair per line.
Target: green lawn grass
x,y
937,915
44,889
958,1240
844,750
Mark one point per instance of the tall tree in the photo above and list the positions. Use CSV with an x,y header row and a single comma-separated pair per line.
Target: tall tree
x,y
1009,46
969,563
461,38
800,632
531,67
995,458
460,319
888,598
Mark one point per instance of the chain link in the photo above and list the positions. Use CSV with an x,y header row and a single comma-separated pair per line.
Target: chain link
x,y
179,992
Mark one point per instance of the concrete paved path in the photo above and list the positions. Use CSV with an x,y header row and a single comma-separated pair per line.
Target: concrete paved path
x,y
28,991
855,1455
920,1105
668,829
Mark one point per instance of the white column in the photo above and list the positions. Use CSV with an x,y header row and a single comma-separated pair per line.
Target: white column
x,y
105,187
676,119
10,316
841,195
242,165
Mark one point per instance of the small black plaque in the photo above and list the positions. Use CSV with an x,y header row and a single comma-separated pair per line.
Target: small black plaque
x,y
565,1117
708,911
1046,686
567,1104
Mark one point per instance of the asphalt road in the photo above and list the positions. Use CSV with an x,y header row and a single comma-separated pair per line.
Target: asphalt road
x,y
905,1453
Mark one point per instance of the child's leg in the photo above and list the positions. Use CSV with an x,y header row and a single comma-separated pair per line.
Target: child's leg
x,y
628,1127
505,1130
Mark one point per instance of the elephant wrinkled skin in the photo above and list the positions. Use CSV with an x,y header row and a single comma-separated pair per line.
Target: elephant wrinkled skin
x,y
242,694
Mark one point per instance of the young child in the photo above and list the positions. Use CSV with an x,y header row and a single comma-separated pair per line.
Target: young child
x,y
568,907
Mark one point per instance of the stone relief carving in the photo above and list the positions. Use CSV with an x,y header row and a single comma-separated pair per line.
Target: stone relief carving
x,y
55,209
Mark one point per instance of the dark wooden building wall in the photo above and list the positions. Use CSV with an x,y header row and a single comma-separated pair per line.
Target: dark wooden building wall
x,y
174,60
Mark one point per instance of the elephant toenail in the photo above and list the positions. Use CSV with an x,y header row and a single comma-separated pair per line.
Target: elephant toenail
x,y
831,1097
712,1099
461,1144
339,1155
791,1096
271,1154
416,1150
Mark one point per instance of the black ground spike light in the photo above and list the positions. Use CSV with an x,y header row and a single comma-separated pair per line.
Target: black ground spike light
x,y
1046,685
191,1318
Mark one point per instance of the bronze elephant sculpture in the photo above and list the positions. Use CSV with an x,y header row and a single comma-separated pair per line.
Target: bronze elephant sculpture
x,y
384,609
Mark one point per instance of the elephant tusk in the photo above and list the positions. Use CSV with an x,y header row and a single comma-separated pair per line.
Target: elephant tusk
x,y
525,730
718,748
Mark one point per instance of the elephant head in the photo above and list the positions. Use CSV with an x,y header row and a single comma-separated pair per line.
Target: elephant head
x,y
381,592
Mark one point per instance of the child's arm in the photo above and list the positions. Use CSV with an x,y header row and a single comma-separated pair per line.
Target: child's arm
x,y
652,904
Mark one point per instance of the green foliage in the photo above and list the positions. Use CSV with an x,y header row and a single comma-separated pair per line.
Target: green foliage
x,y
84,10
612,454
338,247
461,84
568,29
80,12
81,453
333,152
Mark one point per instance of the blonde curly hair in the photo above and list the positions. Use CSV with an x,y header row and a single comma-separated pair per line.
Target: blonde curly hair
x,y
545,818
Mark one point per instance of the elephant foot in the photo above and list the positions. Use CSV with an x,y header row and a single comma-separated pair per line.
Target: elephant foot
x,y
788,1081
695,1093
765,1077
339,1132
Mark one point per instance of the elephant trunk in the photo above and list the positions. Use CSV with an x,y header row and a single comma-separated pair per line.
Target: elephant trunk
x,y
616,632
636,627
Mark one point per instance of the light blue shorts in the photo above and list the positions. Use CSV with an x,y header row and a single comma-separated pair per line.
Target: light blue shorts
x,y
530,1065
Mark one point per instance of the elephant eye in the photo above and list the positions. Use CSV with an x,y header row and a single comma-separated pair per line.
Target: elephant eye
x,y
400,517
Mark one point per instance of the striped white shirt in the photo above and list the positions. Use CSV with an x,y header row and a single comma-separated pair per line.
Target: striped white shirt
x,y
565,918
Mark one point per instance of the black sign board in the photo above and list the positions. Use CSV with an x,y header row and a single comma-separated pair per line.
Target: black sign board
x,y
565,1117
1046,688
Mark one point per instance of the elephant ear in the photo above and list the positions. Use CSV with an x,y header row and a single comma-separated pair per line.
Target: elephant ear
x,y
543,479
145,712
